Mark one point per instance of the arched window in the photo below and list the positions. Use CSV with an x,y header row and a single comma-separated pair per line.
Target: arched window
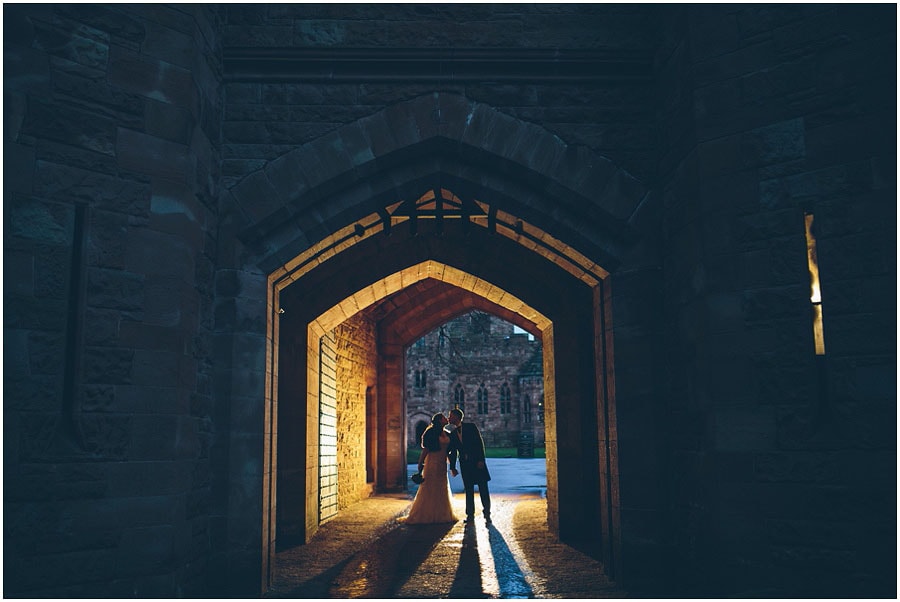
x,y
505,399
482,399
420,379
459,397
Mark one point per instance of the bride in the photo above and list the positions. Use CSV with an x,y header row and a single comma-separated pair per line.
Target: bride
x,y
432,503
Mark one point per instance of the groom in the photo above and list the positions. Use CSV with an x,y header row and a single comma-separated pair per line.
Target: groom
x,y
466,442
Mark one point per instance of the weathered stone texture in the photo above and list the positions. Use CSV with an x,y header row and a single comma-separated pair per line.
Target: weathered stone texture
x,y
356,367
76,135
776,103
611,119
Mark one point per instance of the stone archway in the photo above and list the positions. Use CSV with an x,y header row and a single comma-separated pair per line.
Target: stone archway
x,y
309,221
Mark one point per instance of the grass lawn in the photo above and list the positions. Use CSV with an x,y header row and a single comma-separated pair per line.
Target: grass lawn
x,y
510,452
412,453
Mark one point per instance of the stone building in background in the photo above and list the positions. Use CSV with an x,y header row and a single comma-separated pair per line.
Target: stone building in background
x,y
482,365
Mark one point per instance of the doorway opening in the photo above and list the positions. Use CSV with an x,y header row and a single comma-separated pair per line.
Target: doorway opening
x,y
363,322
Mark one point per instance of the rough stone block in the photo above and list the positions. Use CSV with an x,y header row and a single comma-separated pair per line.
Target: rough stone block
x,y
151,78
98,398
18,168
26,70
152,156
402,127
621,193
61,182
42,222
237,93
108,239
153,367
168,122
859,334
776,143
745,429
69,125
357,147
168,45
114,289
52,273
286,178
773,303
15,353
103,365
86,89
146,551
53,570
101,327
249,36
122,25
107,436
159,257
18,273
162,437
46,353
33,393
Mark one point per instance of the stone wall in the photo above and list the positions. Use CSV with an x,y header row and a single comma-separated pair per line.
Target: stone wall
x,y
478,349
110,183
356,372
778,456
265,120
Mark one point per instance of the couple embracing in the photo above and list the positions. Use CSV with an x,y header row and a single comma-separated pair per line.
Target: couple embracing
x,y
445,440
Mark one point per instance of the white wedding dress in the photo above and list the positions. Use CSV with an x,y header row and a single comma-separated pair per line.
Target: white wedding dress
x,y
432,503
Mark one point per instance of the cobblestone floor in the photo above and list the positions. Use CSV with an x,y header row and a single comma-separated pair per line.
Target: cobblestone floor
x,y
366,552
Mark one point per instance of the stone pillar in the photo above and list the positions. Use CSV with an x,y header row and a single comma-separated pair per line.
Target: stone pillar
x,y
575,424
244,412
391,417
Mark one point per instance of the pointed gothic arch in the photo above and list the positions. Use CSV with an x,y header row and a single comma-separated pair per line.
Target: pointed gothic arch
x,y
323,208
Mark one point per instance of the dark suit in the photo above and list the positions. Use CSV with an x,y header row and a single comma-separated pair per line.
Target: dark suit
x,y
470,451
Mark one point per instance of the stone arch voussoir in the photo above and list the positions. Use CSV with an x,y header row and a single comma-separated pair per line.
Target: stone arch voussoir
x,y
306,185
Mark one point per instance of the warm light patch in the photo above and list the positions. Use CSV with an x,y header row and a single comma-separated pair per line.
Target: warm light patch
x,y
439,204
815,290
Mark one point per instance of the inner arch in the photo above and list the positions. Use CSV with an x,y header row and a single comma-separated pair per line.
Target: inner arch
x,y
399,302
429,269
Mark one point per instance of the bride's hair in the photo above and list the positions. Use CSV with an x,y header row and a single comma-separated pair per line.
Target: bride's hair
x,y
432,433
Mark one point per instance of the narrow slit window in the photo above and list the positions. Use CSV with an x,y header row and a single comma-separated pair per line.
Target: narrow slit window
x,y
815,289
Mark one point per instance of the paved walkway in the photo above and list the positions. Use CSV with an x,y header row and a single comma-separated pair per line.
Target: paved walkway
x,y
366,552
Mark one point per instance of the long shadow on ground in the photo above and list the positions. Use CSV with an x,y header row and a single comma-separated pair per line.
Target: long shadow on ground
x,y
378,569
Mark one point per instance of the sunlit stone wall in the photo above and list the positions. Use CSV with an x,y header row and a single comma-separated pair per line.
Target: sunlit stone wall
x,y
356,355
